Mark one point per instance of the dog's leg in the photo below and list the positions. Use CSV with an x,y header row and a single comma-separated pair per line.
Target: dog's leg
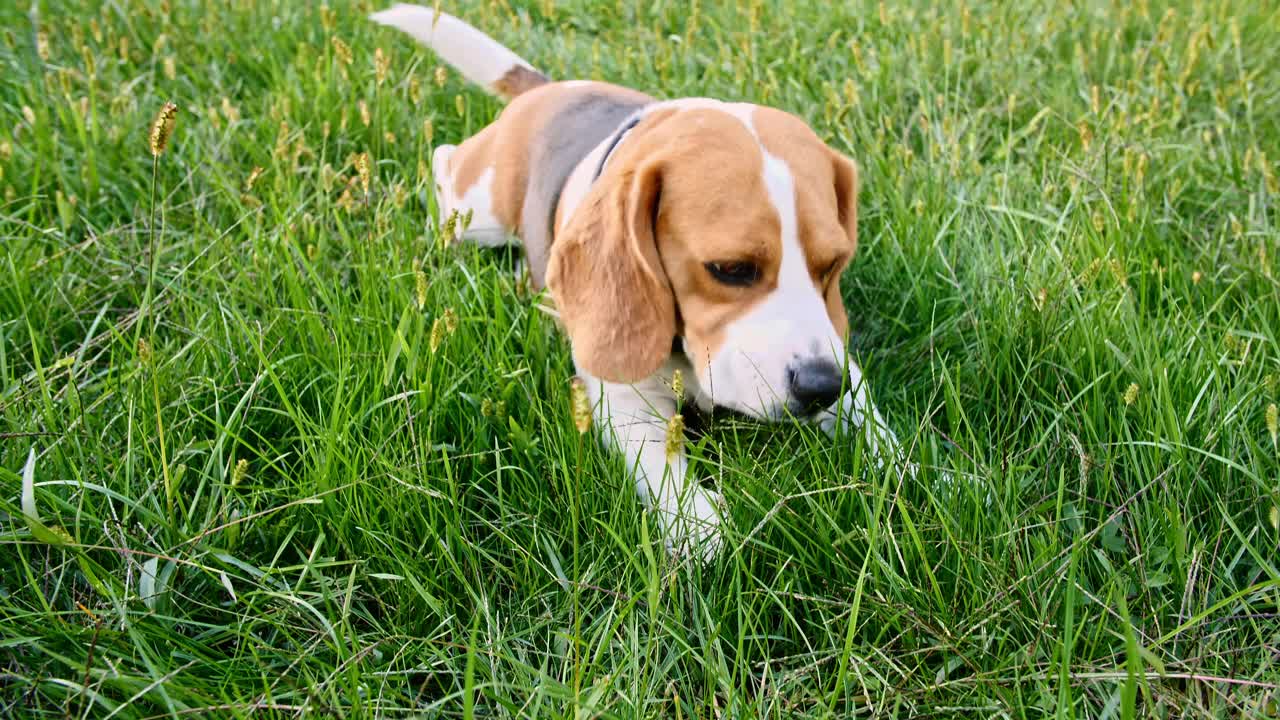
x,y
483,229
634,420
856,411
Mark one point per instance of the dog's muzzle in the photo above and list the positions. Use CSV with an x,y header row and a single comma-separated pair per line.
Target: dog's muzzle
x,y
814,385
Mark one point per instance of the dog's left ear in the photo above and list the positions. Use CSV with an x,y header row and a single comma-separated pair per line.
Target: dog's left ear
x,y
846,192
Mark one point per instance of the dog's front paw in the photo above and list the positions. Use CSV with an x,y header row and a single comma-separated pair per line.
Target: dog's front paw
x,y
855,418
693,526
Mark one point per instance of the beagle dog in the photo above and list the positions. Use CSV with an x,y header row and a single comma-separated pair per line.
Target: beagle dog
x,y
690,236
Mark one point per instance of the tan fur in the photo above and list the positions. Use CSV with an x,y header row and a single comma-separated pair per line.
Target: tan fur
x,y
826,185
622,203
505,145
517,81
625,288
605,266
716,208
617,280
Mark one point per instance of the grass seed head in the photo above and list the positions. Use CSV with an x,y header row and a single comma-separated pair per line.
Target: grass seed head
x,y
346,201
449,228
341,51
581,406
1131,394
420,288
241,470
381,65
1086,134
1117,272
162,128
363,171
442,328
253,177
675,435
229,111
437,334
1273,423
282,141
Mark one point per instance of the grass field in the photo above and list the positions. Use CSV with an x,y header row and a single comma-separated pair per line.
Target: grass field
x,y
294,455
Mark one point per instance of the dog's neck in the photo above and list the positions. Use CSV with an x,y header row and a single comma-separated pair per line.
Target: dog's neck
x,y
614,141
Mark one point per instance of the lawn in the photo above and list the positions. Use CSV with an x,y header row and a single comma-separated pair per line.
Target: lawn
x,y
291,453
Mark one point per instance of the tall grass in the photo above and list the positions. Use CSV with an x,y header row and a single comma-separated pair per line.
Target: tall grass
x,y
343,476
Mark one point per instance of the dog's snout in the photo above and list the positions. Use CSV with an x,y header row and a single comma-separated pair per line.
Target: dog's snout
x,y
814,384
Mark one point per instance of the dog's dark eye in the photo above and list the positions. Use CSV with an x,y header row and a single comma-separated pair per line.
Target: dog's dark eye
x,y
740,274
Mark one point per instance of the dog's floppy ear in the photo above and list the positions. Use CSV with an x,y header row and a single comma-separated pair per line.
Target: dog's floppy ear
x,y
846,191
606,274
846,187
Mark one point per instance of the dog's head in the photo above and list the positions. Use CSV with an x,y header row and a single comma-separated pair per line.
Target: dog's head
x,y
727,226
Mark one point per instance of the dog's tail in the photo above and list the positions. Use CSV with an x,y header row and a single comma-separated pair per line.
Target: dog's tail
x,y
480,58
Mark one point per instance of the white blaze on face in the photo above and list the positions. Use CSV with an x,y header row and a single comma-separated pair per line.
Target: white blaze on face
x,y
749,372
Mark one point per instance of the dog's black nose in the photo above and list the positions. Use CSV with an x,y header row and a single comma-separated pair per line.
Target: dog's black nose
x,y
814,384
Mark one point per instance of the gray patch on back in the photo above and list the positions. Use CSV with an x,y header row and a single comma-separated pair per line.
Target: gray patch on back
x,y
563,142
